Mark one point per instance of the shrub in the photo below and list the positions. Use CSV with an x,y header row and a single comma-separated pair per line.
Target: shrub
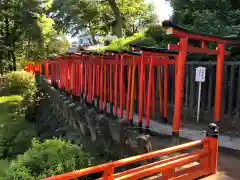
x,y
15,138
154,36
47,158
123,43
148,39
15,132
19,82
4,164
157,33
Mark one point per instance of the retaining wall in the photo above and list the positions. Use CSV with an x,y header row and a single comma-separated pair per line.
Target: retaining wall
x,y
103,129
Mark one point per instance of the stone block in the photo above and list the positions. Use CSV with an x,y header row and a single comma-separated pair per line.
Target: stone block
x,y
90,117
124,131
61,103
104,134
114,126
71,108
65,109
144,143
79,114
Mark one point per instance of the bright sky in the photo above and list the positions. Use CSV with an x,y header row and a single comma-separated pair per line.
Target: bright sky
x,y
162,8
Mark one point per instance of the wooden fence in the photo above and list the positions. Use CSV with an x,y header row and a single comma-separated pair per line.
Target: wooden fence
x,y
230,95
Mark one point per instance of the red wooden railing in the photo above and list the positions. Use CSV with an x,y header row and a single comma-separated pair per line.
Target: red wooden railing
x,y
191,165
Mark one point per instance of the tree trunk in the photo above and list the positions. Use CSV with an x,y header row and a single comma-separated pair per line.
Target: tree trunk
x,y
93,39
10,67
118,26
8,43
14,61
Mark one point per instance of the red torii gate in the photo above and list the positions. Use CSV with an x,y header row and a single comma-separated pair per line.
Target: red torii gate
x,y
183,48
154,57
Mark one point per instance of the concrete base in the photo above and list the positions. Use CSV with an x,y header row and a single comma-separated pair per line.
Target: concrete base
x,y
218,176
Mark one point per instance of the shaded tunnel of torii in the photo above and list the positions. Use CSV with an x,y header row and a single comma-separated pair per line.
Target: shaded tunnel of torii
x,y
94,76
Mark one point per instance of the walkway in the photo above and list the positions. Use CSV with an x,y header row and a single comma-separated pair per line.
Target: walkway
x,y
191,134
228,168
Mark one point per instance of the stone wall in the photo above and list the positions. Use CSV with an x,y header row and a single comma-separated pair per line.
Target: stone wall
x,y
102,129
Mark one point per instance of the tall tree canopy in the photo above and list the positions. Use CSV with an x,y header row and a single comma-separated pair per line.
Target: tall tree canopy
x,y
24,31
118,16
215,16
18,20
220,17
33,29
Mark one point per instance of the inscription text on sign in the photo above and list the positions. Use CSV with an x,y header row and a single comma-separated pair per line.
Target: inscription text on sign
x,y
200,74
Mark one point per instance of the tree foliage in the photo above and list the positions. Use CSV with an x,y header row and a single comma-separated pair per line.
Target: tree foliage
x,y
136,14
52,43
213,17
101,16
18,20
23,27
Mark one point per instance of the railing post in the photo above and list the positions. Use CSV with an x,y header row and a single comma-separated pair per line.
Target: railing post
x,y
168,174
108,174
212,140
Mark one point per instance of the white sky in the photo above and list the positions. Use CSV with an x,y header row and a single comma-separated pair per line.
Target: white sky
x,y
162,9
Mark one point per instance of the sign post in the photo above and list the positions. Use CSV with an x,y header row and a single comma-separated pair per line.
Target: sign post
x,y
200,77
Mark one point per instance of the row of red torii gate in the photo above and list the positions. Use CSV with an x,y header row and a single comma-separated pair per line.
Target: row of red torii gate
x,y
136,81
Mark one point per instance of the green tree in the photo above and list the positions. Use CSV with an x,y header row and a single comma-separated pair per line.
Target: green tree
x,y
53,42
73,16
26,32
214,17
118,22
101,16
136,14
130,14
18,20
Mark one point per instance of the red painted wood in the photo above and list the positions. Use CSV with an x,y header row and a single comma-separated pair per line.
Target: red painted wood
x,y
174,32
190,49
